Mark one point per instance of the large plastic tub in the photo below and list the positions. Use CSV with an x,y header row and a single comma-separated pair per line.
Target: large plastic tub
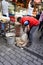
x,y
10,38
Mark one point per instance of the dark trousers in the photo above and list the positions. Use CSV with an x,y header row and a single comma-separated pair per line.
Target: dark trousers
x,y
40,26
41,33
29,35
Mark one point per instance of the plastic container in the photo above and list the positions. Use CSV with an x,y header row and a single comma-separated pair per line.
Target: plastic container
x,y
12,18
10,38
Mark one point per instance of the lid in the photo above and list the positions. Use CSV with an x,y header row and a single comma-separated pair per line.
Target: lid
x,y
10,34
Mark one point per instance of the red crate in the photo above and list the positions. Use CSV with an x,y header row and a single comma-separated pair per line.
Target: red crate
x,y
12,18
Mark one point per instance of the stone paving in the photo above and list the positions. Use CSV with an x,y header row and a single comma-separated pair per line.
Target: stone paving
x,y
37,45
12,55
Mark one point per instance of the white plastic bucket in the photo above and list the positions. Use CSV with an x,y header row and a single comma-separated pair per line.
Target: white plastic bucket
x,y
10,38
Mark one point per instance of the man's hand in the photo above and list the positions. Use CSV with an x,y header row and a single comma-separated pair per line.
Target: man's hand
x,y
27,28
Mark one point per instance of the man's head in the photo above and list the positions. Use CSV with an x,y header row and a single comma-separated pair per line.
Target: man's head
x,y
18,19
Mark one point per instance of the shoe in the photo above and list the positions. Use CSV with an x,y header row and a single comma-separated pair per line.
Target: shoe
x,y
40,38
28,44
38,29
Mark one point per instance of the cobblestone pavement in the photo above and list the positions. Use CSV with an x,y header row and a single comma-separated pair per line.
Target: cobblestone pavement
x,y
12,55
37,45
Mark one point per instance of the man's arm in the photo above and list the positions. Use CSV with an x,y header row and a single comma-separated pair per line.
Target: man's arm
x,y
28,28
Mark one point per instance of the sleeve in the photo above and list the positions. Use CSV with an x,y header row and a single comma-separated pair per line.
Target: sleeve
x,y
26,23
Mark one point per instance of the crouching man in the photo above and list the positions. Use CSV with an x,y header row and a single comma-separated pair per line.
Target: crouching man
x,y
29,23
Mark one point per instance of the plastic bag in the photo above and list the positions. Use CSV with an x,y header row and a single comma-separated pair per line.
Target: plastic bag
x,y
21,31
24,37
22,41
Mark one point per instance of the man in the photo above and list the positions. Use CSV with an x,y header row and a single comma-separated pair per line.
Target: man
x,y
38,15
14,3
41,25
5,6
41,21
29,23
